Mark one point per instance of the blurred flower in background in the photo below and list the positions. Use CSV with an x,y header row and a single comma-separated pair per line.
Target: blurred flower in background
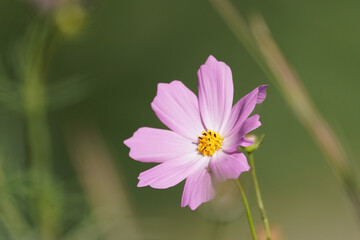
x,y
69,15
47,5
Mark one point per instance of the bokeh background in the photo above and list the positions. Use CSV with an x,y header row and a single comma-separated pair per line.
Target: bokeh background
x,y
115,57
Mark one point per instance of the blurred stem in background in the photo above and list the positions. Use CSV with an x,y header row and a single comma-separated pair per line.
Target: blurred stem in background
x,y
42,217
47,201
257,39
103,185
10,216
35,54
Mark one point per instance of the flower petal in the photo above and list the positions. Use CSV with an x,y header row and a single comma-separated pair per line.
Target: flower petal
x,y
170,173
232,142
243,108
215,93
224,166
158,145
246,142
198,188
177,107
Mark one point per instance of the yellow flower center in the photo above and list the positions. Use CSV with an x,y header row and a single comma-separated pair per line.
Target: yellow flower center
x,y
209,142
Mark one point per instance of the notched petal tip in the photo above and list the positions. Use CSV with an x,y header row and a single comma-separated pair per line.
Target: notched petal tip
x,y
185,204
261,93
127,142
192,207
212,64
161,87
246,168
130,144
210,59
141,184
256,120
256,117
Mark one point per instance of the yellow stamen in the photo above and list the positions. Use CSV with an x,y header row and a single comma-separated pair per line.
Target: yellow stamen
x,y
209,142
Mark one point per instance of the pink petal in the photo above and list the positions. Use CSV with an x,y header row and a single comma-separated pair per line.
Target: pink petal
x,y
177,107
215,93
198,188
232,142
158,145
246,142
170,173
224,166
243,108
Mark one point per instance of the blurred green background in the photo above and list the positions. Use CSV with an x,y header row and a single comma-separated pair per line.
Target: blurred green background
x,y
126,47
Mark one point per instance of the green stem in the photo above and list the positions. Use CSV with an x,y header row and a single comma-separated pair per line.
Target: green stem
x,y
258,41
46,200
216,230
258,196
248,213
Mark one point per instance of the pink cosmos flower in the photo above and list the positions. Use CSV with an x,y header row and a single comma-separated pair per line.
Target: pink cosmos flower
x,y
205,134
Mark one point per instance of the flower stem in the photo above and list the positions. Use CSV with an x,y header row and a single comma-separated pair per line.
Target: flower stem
x,y
248,213
257,39
258,196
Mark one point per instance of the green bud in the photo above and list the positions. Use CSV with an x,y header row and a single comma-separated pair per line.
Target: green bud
x,y
70,18
257,142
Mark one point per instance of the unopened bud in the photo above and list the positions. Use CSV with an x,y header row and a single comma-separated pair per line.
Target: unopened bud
x,y
70,17
257,142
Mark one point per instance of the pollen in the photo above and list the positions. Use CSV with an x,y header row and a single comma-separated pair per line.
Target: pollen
x,y
209,142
